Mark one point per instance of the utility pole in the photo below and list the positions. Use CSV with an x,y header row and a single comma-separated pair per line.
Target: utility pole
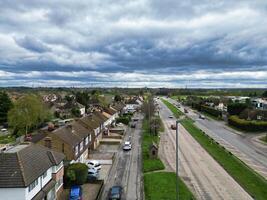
x,y
177,149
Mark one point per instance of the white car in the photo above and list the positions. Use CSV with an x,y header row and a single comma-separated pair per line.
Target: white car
x,y
202,117
127,146
94,164
120,124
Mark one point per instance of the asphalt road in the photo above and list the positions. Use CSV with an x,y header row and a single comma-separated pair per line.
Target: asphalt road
x,y
126,168
240,144
204,176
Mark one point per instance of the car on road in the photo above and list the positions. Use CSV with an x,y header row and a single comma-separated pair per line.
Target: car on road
x,y
185,111
115,193
127,146
173,127
94,164
202,117
171,117
135,119
76,192
133,125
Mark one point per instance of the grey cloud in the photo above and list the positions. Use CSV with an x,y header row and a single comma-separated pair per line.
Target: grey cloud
x,y
32,44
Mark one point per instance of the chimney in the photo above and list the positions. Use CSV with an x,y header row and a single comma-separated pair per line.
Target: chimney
x,y
48,142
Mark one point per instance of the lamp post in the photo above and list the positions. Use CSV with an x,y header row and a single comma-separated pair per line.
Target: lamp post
x,y
177,149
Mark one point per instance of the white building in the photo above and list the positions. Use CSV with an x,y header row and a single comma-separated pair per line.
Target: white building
x,y
31,172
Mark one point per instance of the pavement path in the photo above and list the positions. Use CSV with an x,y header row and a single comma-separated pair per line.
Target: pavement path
x,y
126,169
203,175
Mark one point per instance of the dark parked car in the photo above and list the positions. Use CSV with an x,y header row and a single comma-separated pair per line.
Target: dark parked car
x,y
76,192
115,193
133,125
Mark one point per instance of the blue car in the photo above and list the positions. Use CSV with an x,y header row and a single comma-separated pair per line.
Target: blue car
x,y
76,192
115,193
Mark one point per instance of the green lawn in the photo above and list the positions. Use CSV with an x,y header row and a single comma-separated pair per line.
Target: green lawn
x,y
149,164
162,186
252,182
7,139
177,113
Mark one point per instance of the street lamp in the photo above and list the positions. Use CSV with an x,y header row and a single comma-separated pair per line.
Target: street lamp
x,y
177,158
177,149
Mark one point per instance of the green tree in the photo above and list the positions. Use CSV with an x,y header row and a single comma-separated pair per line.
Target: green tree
x,y
76,174
117,98
264,94
5,106
76,112
28,112
236,108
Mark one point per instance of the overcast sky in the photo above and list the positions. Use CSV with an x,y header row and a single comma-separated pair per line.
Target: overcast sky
x,y
133,43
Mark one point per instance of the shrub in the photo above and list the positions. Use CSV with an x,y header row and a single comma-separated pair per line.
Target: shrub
x,y
76,174
236,108
124,119
247,125
211,111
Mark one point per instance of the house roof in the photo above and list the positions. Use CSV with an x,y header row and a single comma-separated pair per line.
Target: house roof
x,y
93,121
21,165
110,111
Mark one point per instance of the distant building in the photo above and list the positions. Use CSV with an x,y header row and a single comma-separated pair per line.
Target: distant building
x,y
31,172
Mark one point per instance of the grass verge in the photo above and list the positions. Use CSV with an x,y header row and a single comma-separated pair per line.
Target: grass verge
x,y
264,139
177,113
162,185
149,164
252,182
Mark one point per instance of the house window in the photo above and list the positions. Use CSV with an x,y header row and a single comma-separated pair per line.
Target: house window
x,y
90,138
45,174
76,150
81,146
86,140
63,148
33,185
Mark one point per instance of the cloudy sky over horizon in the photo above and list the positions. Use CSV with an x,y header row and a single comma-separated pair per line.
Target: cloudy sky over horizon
x,y
135,43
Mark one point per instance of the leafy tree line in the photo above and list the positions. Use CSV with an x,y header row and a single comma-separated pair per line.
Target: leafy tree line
x,y
27,113
5,105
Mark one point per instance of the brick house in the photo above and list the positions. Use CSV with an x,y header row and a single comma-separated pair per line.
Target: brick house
x,y
73,140
31,172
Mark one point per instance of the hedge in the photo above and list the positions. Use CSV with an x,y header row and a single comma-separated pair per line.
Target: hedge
x,y
76,174
211,111
125,120
246,125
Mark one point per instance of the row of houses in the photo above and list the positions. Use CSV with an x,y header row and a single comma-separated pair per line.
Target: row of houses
x,y
34,170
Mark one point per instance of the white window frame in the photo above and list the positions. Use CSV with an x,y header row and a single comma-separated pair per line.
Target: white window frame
x,y
76,150
33,185
45,175
86,140
81,146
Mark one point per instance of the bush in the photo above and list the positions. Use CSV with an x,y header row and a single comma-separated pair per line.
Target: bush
x,y
76,174
211,111
247,125
236,108
124,119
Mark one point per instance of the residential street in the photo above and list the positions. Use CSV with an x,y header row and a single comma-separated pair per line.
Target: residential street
x,y
204,176
239,144
126,169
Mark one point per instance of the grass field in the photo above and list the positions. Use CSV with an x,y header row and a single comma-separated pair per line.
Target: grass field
x,y
149,164
253,183
176,112
162,186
